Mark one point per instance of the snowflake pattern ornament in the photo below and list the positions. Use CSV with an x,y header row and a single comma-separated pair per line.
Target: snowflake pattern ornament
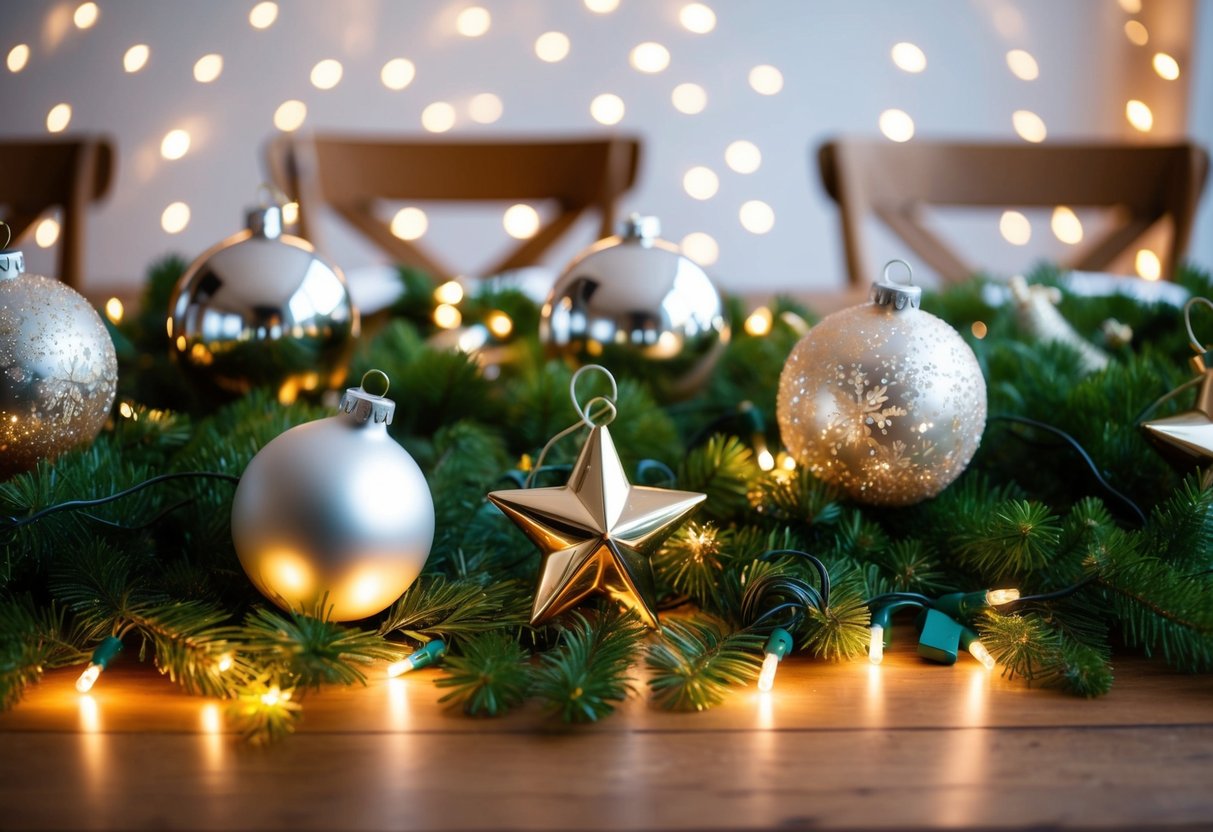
x,y
884,400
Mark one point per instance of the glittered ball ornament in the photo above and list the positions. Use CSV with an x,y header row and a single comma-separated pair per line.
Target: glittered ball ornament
x,y
263,309
634,304
884,399
58,370
335,513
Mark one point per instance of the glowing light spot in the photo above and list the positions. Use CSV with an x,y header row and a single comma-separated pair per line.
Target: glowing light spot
x,y
1139,115
447,316
290,213
449,293
689,98
176,143
397,73
1029,126
126,411
409,223
114,310
136,57
208,68
473,21
1166,66
697,18
1066,225
175,218
607,108
290,115
897,125
602,6
225,663
499,324
700,182
326,74
1148,265
766,79
743,156
759,322
1022,65
438,117
59,117
908,57
552,47
86,15
521,221
757,217
979,330
1131,6
485,108
1015,228
649,57
700,247
46,234
263,15
18,57
1137,33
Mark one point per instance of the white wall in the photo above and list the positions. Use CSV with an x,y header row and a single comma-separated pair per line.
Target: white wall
x,y
834,56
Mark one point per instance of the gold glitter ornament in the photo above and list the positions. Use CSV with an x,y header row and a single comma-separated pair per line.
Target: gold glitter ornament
x,y
883,399
58,370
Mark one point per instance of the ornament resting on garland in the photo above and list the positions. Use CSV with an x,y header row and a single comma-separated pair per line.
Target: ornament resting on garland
x,y
58,369
262,308
1187,438
1036,311
333,517
884,400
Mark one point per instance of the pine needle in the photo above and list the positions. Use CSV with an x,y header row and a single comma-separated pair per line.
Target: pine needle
x,y
694,664
583,678
492,675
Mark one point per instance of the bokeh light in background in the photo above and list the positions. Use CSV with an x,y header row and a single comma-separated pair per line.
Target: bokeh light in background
x,y
136,57
438,117
410,223
520,221
485,108
290,115
552,47
743,156
1066,226
398,73
473,21
175,218
208,68
18,57
701,247
689,98
59,117
175,144
908,57
263,15
700,182
1029,126
86,15
327,74
766,79
1015,228
607,108
757,217
1022,65
896,125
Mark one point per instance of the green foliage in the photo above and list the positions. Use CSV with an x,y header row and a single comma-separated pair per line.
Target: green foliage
x,y
694,664
312,651
33,639
1019,537
692,562
840,630
1028,646
491,676
724,469
435,607
583,678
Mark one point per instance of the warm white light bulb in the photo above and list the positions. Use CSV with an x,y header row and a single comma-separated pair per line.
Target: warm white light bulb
x,y
876,645
759,322
979,652
399,668
450,292
997,597
89,677
766,460
766,679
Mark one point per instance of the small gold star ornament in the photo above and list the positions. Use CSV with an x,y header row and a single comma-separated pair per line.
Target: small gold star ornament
x,y
1187,438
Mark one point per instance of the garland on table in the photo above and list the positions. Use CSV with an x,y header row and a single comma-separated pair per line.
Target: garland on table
x,y
155,569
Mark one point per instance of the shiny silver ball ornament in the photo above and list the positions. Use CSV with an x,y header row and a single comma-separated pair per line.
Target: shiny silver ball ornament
x,y
58,370
262,308
884,399
334,512
633,303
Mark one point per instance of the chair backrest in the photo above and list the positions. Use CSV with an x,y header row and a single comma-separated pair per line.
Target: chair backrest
x,y
1143,183
66,173
351,174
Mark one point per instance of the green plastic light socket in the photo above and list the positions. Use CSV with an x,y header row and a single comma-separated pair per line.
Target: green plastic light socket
x,y
940,638
428,655
780,643
962,605
104,654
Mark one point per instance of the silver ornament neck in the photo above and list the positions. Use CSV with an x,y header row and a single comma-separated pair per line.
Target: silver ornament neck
x,y
12,264
362,407
265,221
641,229
888,292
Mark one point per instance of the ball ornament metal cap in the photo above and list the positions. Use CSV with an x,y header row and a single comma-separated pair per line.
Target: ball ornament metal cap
x,y
12,264
361,406
887,292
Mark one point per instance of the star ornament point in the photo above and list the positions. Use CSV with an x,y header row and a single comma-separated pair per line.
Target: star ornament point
x,y
1187,438
597,533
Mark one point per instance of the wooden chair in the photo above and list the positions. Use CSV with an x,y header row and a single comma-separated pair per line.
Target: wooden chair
x,y
350,175
68,173
1143,183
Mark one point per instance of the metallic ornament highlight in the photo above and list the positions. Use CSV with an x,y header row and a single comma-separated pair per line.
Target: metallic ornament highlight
x,y
1186,439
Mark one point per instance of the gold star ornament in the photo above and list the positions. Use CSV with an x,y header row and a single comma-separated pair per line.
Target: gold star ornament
x,y
597,533
1187,438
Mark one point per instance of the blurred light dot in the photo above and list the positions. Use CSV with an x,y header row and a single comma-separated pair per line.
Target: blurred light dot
x,y
176,143
1015,228
743,156
700,182
473,21
46,234
1131,6
18,57
908,57
136,57
438,117
290,115
757,217
1137,33
1166,66
689,98
450,292
607,108
398,73
552,47
1148,265
766,79
290,213
758,323
499,324
410,224
697,18
1139,115
326,74
649,57
175,217
263,15
1029,126
979,329
485,108
114,310
520,221
1066,225
447,316
1022,65
86,15
59,117
208,68
602,6
897,125
700,247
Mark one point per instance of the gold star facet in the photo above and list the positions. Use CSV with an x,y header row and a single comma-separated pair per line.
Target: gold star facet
x,y
1187,438
596,533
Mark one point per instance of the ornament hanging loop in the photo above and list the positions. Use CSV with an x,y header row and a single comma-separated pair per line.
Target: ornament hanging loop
x,y
888,292
609,411
376,374
269,195
889,266
1195,343
8,235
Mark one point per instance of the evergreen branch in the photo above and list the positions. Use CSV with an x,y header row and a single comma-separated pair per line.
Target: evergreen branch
x,y
583,678
311,651
1020,537
264,710
1028,646
691,562
694,664
434,607
840,629
724,469
192,645
796,498
491,676
33,639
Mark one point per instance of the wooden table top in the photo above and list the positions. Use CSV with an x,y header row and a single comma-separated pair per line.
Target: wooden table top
x,y
905,745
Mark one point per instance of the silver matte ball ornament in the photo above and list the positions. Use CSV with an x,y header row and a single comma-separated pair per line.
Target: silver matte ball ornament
x,y
634,304
883,399
262,308
58,370
334,512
